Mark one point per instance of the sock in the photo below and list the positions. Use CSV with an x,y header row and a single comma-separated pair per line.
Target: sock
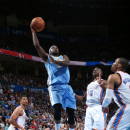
x,y
57,126
71,129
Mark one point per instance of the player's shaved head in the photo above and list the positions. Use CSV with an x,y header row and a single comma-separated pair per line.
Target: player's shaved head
x,y
96,71
124,62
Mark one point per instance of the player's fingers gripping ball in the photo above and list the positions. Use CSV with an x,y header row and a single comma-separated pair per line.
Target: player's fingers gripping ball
x,y
38,24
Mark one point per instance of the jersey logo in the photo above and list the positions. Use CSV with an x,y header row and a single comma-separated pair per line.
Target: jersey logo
x,y
126,80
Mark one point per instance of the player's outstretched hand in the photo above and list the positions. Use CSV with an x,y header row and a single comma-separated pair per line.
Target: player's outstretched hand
x,y
32,29
105,110
51,59
100,72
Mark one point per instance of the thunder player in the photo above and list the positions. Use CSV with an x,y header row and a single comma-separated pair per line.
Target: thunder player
x,y
17,119
61,94
118,87
95,118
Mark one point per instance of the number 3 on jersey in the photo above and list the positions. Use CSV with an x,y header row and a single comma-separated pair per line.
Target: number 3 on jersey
x,y
90,92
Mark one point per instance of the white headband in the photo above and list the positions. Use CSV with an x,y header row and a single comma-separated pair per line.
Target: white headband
x,y
51,47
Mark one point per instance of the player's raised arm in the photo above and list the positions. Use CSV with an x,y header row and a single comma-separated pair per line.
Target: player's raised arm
x,y
13,117
102,83
109,91
39,49
63,63
99,77
81,98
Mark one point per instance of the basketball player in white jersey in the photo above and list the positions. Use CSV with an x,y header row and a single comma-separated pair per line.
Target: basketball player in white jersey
x,y
118,87
95,118
17,119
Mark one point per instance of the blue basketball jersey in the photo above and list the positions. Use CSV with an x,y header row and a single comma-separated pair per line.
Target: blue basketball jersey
x,y
57,74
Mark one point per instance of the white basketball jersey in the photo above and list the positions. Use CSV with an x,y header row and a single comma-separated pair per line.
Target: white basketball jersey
x,y
20,121
94,94
122,93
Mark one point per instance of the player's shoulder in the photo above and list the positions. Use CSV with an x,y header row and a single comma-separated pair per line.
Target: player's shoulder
x,y
19,108
113,77
64,56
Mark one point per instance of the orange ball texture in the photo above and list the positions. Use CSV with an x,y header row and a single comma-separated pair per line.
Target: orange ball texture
x,y
38,24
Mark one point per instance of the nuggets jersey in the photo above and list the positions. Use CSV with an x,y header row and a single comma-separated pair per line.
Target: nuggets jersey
x,y
57,74
94,94
20,120
122,93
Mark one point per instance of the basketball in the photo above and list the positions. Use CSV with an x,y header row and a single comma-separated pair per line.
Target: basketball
x,y
38,24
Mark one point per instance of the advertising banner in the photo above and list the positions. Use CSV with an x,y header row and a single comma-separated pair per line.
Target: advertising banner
x,y
26,32
36,89
3,31
38,59
24,88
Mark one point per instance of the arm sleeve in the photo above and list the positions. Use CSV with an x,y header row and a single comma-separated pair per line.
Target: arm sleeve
x,y
108,97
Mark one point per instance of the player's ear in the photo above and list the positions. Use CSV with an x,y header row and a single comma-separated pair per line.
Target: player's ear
x,y
119,65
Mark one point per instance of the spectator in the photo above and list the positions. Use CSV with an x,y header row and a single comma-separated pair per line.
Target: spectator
x,y
29,117
8,91
3,114
0,118
7,126
62,126
34,122
7,116
2,124
6,105
12,101
17,104
32,126
2,102
5,99
11,90
9,106
1,91
40,127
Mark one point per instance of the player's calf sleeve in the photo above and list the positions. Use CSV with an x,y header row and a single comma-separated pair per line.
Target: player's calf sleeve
x,y
57,112
70,112
108,97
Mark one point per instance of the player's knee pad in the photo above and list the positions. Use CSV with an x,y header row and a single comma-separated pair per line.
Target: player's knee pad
x,y
57,111
70,112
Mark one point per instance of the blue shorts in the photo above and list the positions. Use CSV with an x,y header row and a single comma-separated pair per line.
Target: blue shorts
x,y
62,94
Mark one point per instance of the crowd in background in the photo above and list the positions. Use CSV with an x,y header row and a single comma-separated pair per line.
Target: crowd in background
x,y
33,81
39,110
76,50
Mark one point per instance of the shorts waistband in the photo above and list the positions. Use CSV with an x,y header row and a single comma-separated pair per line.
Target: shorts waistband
x,y
94,105
58,84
